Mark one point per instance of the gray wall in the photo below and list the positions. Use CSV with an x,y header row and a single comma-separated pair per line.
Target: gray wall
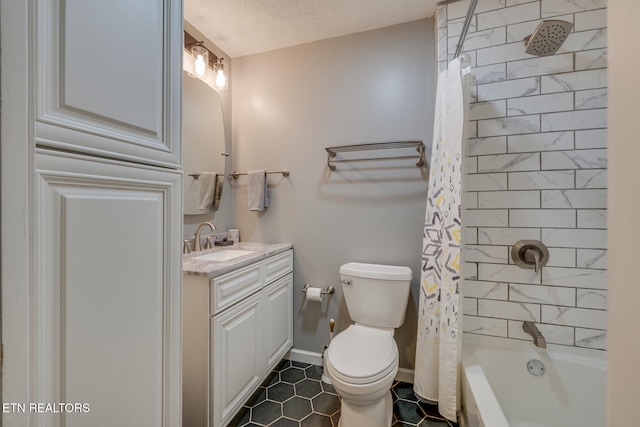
x,y
288,105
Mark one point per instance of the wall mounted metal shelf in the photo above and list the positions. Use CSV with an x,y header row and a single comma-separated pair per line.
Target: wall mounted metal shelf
x,y
333,151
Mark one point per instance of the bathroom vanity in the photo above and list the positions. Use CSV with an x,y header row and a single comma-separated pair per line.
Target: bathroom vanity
x,y
237,325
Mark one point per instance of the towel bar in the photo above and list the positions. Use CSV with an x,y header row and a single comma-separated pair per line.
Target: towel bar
x,y
284,172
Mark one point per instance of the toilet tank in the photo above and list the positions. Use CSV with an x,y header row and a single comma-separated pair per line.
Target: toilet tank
x,y
378,294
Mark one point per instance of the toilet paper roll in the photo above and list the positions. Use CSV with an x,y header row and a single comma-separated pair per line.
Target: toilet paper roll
x,y
314,294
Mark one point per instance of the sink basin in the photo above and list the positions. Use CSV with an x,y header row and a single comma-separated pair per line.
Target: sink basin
x,y
225,255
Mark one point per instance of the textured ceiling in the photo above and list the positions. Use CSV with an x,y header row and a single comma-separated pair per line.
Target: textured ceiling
x,y
245,27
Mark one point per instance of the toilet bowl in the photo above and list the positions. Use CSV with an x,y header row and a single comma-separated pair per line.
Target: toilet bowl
x,y
362,361
362,365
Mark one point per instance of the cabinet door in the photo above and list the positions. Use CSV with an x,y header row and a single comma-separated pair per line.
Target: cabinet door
x,y
107,291
237,357
278,324
109,78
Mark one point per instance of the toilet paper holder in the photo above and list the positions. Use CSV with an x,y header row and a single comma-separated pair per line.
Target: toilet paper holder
x,y
329,291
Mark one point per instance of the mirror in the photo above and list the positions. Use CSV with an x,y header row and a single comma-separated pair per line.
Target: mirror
x,y
202,140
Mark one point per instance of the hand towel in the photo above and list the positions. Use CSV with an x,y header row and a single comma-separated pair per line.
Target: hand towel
x,y
207,193
258,194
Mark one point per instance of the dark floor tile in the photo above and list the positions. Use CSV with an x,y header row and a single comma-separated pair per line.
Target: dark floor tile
x,y
296,408
405,391
326,403
308,388
285,422
335,419
328,388
258,396
280,392
242,417
408,412
316,420
314,372
298,385
433,423
431,410
271,379
292,375
266,412
284,364
300,364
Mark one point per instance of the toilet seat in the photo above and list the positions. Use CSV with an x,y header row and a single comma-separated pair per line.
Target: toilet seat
x,y
362,355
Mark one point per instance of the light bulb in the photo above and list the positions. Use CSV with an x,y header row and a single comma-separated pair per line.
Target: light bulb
x,y
201,67
221,74
221,79
200,59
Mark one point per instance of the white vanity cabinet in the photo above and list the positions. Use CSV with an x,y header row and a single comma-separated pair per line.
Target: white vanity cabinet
x,y
234,341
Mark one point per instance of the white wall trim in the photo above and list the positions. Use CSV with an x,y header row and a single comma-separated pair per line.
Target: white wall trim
x,y
303,356
405,375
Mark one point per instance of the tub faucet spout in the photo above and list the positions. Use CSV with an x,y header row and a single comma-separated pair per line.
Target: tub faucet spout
x,y
538,338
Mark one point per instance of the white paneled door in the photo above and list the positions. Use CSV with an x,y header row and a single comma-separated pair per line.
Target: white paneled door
x,y
107,323
91,200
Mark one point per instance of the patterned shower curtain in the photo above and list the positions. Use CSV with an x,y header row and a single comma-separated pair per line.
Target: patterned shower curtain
x,y
439,317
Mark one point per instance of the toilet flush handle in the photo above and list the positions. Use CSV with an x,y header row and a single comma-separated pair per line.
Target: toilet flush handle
x,y
346,281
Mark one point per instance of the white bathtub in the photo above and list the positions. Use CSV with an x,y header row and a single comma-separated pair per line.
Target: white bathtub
x,y
499,391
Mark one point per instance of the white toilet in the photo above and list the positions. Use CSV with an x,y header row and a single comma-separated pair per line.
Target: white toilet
x,y
362,361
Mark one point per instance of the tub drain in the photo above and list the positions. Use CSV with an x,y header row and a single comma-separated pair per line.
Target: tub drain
x,y
535,367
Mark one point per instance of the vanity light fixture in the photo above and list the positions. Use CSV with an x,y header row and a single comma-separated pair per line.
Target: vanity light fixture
x,y
200,58
221,74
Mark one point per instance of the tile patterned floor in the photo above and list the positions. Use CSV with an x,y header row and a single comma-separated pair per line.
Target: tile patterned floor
x,y
294,396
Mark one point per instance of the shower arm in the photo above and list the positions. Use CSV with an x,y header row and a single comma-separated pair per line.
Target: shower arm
x,y
465,26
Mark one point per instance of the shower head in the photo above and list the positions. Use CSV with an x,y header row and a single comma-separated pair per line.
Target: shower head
x,y
548,37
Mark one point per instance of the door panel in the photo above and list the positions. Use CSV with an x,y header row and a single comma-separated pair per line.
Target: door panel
x,y
109,78
237,357
278,324
108,295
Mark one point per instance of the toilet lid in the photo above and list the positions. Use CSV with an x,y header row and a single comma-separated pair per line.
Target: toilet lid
x,y
362,355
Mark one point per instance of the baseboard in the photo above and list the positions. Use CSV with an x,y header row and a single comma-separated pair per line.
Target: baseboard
x,y
405,375
303,356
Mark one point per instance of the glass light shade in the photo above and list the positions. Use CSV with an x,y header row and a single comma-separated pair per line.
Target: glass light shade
x,y
221,75
200,59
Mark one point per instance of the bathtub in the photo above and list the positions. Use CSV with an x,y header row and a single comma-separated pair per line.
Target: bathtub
x,y
499,391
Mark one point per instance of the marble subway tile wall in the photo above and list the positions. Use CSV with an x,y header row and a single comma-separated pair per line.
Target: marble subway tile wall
x,y
536,169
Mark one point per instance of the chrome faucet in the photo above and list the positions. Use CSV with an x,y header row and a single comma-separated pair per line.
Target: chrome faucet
x,y
538,338
196,238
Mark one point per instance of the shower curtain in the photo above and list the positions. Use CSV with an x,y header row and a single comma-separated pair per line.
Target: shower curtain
x,y
439,317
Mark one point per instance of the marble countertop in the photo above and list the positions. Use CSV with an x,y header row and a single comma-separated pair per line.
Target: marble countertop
x,y
210,269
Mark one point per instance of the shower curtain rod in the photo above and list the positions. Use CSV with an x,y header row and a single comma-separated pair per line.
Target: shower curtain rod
x,y
465,26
